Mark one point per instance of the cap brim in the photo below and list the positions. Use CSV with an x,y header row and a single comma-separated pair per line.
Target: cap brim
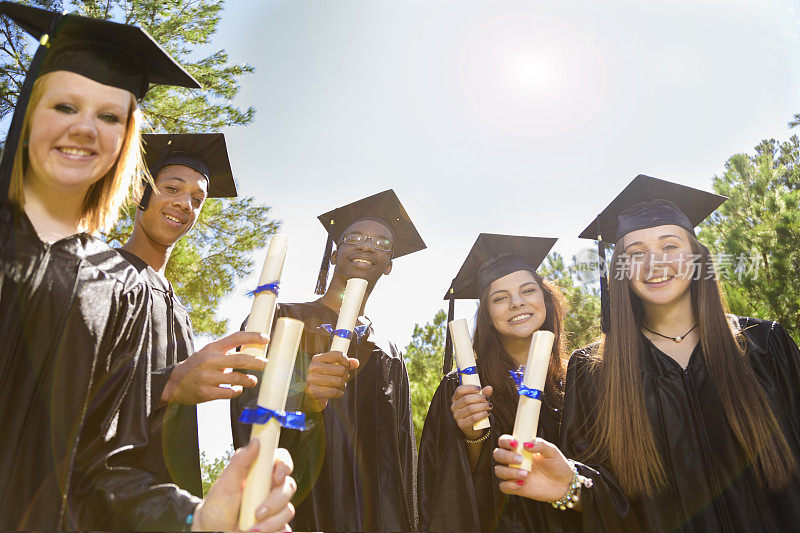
x,y
489,245
696,204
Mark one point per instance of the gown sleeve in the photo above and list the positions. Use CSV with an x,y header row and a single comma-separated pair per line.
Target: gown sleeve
x,y
105,480
786,359
605,507
447,499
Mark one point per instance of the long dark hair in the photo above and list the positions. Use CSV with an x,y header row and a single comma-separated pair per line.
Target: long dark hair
x,y
621,434
494,363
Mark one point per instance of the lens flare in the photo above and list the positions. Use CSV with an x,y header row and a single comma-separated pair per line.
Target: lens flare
x,y
532,74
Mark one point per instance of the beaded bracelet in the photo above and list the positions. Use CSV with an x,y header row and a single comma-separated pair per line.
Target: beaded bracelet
x,y
573,494
479,439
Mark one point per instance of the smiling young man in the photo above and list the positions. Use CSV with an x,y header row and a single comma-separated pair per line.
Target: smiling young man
x,y
186,169
356,461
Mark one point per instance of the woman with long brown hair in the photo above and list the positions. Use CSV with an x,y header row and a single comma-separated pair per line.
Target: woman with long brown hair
x,y
457,488
694,412
74,316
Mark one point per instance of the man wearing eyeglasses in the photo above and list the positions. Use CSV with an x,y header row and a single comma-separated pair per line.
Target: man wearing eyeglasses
x,y
355,463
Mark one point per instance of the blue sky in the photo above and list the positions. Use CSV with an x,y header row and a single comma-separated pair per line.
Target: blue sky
x,y
489,116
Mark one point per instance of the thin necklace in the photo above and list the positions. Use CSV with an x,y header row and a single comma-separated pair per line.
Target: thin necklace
x,y
679,338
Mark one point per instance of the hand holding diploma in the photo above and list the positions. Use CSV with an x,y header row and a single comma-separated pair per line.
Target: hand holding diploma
x,y
328,372
467,369
202,376
220,509
531,393
470,405
550,475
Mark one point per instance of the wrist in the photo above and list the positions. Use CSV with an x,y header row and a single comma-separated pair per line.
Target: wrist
x,y
482,436
572,495
168,392
193,520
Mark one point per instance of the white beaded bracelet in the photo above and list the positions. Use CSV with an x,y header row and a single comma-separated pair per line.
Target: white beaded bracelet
x,y
573,494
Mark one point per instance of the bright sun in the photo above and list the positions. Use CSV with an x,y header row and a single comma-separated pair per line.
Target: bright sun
x,y
532,74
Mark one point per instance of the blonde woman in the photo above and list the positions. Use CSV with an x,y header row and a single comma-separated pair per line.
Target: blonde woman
x,y
73,314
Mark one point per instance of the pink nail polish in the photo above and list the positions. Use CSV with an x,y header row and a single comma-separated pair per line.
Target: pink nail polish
x,y
520,482
528,445
514,443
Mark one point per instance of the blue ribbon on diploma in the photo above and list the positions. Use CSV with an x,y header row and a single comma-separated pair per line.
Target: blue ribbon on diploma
x,y
261,415
522,390
271,287
470,370
344,333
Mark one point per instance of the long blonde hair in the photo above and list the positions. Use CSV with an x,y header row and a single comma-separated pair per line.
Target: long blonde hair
x,y
104,198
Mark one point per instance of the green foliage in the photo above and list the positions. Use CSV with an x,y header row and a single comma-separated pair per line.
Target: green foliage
x,y
424,356
582,310
755,235
210,469
205,264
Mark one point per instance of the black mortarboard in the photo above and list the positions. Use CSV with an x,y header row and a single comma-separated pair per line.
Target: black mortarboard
x,y
645,203
492,257
205,153
384,207
107,52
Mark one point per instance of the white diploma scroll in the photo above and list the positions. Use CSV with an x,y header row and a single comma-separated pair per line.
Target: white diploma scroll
x,y
272,394
260,319
465,358
527,420
348,313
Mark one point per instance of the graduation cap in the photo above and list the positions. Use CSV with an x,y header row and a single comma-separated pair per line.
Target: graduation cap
x,y
384,207
645,203
107,52
492,257
205,153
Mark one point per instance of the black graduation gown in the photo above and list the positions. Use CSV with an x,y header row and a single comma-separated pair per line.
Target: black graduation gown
x,y
710,486
453,498
174,455
356,463
74,327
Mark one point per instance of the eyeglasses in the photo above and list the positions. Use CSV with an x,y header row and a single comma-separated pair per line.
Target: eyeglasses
x,y
379,243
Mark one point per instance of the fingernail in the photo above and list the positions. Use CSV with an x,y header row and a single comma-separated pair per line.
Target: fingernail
x,y
477,388
520,482
518,459
514,443
528,445
490,405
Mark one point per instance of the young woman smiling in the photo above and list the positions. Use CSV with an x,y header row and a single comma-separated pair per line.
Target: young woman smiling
x,y
73,314
457,488
693,411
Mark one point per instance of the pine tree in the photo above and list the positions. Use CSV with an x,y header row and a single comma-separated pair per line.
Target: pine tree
x,y
755,234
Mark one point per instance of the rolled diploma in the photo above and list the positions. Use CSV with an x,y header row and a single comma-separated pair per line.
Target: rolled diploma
x,y
527,420
348,313
272,394
465,358
263,309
